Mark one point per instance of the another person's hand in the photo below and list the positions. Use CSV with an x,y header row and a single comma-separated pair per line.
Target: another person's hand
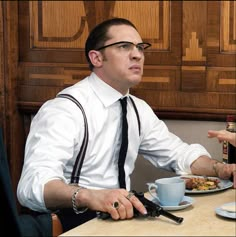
x,y
223,135
119,203
227,171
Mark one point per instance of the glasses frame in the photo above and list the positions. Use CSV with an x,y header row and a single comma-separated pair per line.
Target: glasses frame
x,y
120,42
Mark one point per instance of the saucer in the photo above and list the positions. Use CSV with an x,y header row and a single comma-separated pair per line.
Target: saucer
x,y
224,213
188,201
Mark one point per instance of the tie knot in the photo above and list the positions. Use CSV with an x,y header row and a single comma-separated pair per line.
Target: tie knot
x,y
123,102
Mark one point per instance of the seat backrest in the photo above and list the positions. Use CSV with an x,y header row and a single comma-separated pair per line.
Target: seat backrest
x,y
8,204
21,225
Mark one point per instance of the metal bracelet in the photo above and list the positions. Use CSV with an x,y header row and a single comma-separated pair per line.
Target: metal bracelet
x,y
76,209
214,167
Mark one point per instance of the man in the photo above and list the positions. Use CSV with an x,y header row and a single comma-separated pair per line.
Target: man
x,y
61,129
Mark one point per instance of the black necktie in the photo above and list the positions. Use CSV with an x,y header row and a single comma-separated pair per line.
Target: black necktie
x,y
124,143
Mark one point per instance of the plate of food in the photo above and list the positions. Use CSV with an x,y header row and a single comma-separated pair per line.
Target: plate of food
x,y
227,210
201,184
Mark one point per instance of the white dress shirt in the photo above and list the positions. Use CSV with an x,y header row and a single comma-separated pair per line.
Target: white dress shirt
x,y
57,131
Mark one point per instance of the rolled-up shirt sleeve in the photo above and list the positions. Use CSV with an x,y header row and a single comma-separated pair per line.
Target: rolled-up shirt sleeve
x,y
49,148
164,149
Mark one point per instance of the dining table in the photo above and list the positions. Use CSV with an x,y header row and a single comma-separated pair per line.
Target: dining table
x,y
199,219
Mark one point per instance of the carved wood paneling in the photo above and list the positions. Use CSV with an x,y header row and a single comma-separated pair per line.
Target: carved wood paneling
x,y
40,82
160,78
194,32
193,78
220,27
194,52
185,49
156,27
49,24
221,80
228,27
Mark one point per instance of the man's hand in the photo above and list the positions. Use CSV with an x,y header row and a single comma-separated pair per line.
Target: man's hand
x,y
119,203
227,171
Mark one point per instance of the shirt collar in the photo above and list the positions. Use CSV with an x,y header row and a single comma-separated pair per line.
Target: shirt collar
x,y
105,93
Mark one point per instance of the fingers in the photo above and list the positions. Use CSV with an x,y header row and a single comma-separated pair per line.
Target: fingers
x,y
125,209
123,212
218,134
212,133
136,203
123,206
221,135
228,171
118,211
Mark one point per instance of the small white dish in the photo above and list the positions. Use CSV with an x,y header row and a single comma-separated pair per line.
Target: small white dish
x,y
187,201
219,211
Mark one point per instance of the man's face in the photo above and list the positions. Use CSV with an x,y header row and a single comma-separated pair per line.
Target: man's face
x,y
122,64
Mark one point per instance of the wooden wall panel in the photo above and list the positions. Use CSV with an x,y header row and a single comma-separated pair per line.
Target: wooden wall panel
x,y
228,27
194,32
193,78
41,82
160,78
221,28
157,15
185,50
49,21
221,80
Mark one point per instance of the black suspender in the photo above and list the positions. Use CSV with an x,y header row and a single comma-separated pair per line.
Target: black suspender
x,y
80,158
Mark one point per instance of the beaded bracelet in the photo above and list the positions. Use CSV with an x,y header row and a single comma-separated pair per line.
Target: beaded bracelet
x,y
76,209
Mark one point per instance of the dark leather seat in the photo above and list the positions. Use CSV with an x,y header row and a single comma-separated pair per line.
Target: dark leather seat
x,y
56,225
13,224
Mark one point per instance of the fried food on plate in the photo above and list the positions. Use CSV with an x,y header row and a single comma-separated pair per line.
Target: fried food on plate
x,y
201,183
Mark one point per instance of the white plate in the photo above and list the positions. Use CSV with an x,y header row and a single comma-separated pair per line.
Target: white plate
x,y
224,213
187,199
224,184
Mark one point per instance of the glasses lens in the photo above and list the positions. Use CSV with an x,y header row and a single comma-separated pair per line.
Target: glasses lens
x,y
142,46
127,46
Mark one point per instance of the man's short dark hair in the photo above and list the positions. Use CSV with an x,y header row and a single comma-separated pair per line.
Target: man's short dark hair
x,y
98,36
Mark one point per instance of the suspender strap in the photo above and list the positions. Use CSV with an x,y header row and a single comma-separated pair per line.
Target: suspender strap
x,y
136,112
80,158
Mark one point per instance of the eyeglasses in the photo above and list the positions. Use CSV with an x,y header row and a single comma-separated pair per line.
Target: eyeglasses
x,y
128,46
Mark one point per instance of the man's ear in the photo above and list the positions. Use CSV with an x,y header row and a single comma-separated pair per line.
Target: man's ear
x,y
96,58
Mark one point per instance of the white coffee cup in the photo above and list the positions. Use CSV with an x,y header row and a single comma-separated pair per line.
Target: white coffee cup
x,y
168,191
